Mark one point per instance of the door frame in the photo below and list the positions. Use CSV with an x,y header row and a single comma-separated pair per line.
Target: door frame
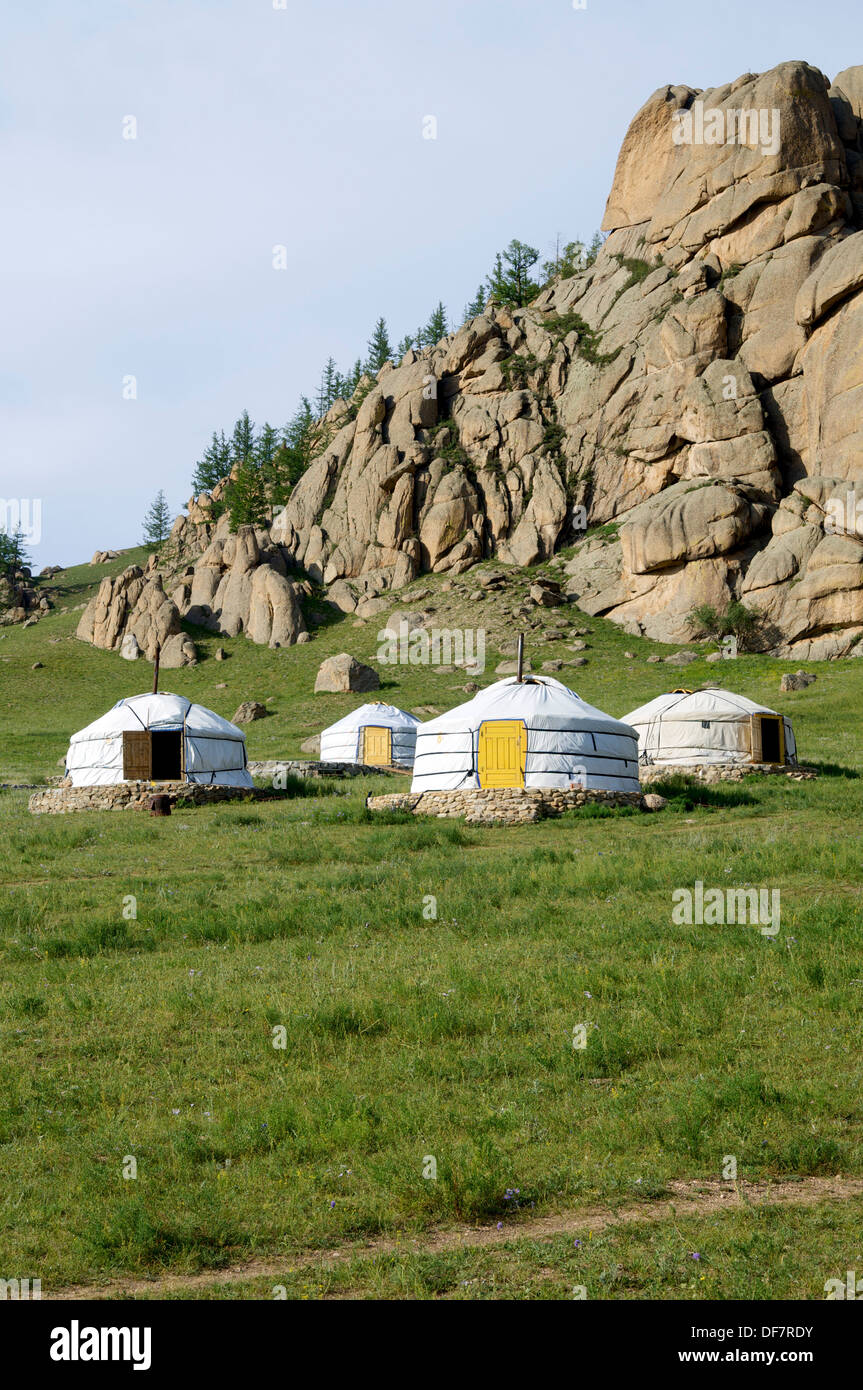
x,y
757,744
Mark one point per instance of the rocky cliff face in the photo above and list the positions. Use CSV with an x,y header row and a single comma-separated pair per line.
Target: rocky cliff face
x,y
695,399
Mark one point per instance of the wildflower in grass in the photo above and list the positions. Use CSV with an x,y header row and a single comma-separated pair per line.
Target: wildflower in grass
x,y
695,1255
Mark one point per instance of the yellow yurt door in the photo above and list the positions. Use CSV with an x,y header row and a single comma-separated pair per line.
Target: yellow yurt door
x,y
502,753
377,746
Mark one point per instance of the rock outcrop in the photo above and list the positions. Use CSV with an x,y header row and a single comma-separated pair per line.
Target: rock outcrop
x,y
20,601
238,584
687,412
132,614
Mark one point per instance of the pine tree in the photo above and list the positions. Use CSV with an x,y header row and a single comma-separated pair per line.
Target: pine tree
x,y
157,522
327,388
246,496
303,438
404,346
476,305
13,552
593,250
379,349
573,257
266,447
437,326
243,440
355,376
510,282
566,261
213,466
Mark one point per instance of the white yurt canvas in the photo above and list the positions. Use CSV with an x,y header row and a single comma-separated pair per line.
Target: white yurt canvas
x,y
157,738
711,726
529,733
376,734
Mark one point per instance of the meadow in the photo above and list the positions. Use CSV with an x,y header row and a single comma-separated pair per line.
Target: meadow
x,y
149,1126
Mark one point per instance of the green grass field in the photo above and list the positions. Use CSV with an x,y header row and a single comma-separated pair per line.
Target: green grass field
x,y
150,1037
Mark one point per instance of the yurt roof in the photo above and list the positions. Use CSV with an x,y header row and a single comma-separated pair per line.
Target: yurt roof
x,y
697,704
545,702
162,711
375,713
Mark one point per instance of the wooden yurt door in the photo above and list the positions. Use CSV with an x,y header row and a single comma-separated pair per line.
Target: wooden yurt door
x,y
502,753
136,755
377,746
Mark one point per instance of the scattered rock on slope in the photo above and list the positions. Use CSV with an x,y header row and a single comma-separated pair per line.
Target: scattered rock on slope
x,y
344,673
249,711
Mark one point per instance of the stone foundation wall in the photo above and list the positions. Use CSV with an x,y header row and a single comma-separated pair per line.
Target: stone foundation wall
x,y
131,796
272,766
499,805
722,772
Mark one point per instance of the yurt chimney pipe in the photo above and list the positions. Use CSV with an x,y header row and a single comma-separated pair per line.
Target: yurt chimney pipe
x,y
520,657
156,670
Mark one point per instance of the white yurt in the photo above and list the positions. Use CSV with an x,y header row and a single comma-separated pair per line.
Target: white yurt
x,y
376,734
158,738
529,733
711,726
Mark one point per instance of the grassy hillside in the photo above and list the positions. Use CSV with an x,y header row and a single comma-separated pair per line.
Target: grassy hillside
x,y
408,1037
77,683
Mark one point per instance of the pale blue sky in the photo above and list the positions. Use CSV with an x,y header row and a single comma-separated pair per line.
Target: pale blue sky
x,y
300,126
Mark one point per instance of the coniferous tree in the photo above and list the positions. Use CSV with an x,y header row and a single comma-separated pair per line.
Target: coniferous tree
x,y
379,348
404,346
213,466
157,522
510,282
567,260
13,552
327,388
354,377
243,440
302,440
477,304
266,447
246,496
437,326
594,248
